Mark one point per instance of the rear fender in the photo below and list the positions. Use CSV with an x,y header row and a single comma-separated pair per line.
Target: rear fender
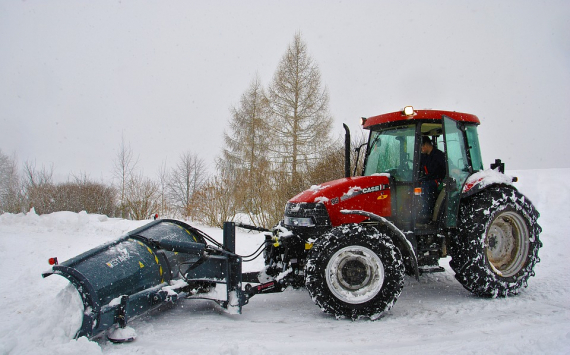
x,y
484,179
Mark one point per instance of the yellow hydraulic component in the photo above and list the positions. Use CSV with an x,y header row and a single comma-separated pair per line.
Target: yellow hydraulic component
x,y
276,242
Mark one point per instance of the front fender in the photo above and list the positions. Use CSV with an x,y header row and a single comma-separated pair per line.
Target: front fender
x,y
396,232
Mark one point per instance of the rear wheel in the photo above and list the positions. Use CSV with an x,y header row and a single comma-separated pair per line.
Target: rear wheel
x,y
355,271
497,245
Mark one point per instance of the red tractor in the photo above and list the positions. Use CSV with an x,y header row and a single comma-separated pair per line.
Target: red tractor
x,y
351,241
423,196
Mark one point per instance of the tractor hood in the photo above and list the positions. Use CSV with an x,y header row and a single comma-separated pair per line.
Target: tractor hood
x,y
368,193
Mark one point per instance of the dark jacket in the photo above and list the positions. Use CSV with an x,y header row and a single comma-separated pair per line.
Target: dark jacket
x,y
433,165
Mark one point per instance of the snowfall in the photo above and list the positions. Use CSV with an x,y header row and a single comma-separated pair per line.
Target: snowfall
x,y
434,315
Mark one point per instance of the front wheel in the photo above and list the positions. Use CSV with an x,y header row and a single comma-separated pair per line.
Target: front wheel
x,y
355,271
498,241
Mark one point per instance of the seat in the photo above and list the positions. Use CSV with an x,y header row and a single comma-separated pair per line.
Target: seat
x,y
438,203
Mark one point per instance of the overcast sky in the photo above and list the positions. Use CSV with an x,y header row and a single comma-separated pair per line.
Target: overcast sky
x,y
75,75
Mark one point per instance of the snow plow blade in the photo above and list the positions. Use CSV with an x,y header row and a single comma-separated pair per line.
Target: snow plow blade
x,y
156,263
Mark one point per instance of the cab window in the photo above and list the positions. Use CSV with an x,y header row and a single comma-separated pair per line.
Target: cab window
x,y
474,148
392,151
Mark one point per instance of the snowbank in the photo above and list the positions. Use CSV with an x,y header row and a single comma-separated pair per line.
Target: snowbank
x,y
433,316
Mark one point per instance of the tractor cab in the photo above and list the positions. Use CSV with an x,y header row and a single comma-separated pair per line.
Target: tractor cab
x,y
394,150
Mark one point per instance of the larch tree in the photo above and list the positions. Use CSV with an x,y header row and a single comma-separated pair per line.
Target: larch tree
x,y
245,164
300,115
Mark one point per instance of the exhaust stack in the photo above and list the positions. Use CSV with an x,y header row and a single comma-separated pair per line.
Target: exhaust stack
x,y
346,151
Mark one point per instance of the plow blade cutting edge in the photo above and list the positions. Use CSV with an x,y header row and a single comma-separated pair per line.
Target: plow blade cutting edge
x,y
156,263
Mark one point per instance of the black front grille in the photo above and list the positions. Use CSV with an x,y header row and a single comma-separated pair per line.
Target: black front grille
x,y
316,211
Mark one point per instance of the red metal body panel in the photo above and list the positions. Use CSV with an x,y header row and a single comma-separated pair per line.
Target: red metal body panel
x,y
419,115
367,193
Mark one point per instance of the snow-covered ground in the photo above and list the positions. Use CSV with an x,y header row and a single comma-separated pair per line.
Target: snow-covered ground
x,y
432,316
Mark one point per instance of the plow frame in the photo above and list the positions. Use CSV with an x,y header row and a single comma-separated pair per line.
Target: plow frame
x,y
216,265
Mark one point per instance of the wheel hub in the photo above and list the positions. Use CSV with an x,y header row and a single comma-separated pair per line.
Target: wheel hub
x,y
507,243
355,274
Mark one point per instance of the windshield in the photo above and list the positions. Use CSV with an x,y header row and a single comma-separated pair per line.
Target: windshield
x,y
392,151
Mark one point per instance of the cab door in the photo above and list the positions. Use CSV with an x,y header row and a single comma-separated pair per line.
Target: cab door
x,y
458,168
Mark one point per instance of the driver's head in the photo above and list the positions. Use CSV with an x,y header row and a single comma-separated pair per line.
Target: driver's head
x,y
427,145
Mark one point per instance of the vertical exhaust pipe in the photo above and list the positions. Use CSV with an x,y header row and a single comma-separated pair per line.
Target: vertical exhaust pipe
x,y
346,151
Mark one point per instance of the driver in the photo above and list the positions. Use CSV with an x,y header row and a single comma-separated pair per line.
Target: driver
x,y
432,165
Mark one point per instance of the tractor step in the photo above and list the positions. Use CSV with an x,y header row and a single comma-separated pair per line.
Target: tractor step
x,y
430,269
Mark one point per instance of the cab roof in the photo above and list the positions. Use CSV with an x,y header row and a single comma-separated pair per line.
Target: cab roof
x,y
419,115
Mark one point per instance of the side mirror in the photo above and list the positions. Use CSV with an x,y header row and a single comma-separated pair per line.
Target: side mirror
x,y
498,165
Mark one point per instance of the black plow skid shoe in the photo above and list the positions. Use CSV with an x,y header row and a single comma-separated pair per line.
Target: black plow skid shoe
x,y
120,335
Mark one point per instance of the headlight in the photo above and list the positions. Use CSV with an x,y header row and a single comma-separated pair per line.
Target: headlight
x,y
408,111
299,221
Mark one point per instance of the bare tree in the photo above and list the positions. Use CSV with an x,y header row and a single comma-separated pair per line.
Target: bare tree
x,y
185,180
39,188
163,201
123,171
142,197
78,194
83,194
299,106
35,177
213,205
10,191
